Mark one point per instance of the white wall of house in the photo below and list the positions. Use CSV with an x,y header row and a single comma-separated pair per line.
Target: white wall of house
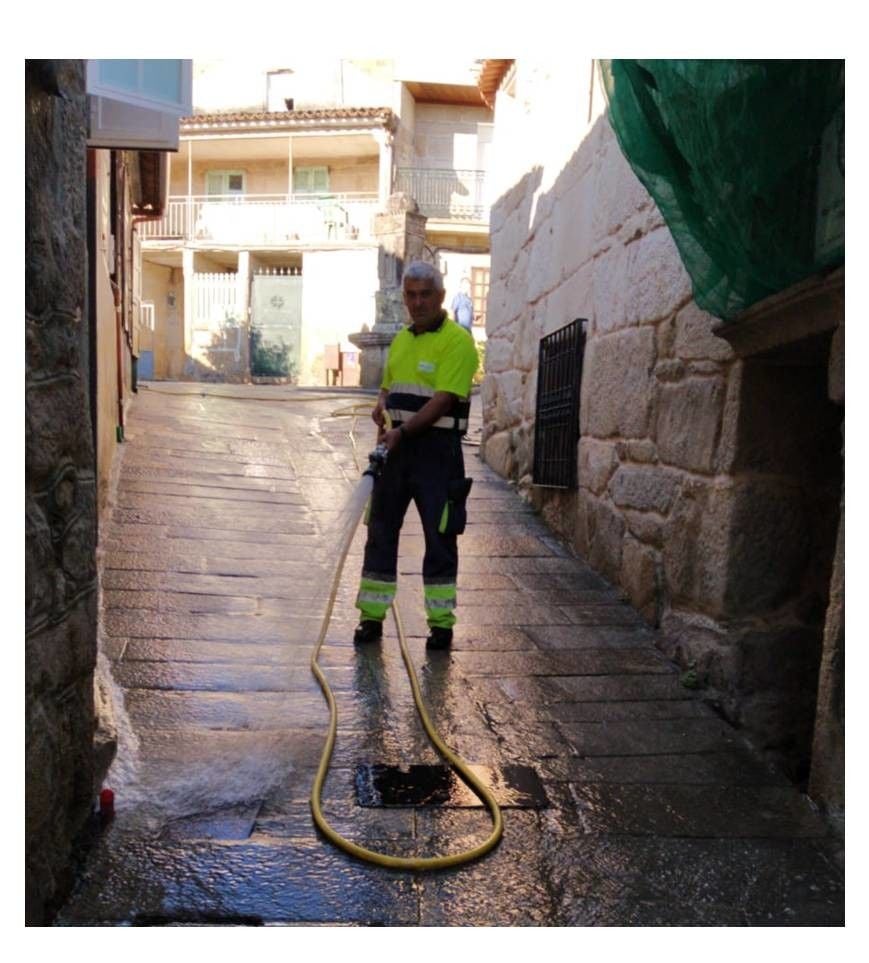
x,y
449,137
338,290
405,107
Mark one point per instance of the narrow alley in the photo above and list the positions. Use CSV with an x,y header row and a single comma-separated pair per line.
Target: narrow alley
x,y
215,562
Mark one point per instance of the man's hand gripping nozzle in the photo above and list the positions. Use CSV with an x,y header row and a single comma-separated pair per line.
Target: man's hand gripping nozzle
x,y
376,461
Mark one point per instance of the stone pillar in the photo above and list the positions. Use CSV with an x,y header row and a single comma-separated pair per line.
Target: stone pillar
x,y
827,776
384,180
187,269
400,232
60,497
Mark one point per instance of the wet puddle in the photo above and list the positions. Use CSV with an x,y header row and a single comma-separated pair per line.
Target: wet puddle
x,y
514,787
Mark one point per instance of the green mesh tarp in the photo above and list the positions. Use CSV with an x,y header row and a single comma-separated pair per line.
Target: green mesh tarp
x,y
746,162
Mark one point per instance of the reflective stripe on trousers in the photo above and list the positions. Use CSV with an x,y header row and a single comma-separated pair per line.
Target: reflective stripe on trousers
x,y
375,597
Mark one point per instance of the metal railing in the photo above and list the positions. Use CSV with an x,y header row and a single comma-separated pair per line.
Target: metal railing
x,y
454,194
264,219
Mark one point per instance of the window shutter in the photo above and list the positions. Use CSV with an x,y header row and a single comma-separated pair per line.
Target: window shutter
x,y
311,180
321,180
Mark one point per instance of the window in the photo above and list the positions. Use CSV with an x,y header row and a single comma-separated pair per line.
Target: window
x,y
224,182
556,424
479,294
146,315
136,104
158,84
311,180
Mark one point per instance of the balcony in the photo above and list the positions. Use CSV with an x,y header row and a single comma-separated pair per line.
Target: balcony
x,y
450,194
263,220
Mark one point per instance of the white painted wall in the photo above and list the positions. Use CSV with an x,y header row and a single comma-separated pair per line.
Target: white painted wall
x,y
338,289
447,137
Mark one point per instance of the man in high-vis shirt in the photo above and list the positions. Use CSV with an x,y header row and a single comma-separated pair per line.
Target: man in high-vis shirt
x,y
426,390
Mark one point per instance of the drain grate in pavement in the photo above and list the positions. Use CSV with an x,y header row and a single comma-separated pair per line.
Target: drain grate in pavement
x,y
514,787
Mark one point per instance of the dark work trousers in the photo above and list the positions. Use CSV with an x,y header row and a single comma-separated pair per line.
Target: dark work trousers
x,y
418,469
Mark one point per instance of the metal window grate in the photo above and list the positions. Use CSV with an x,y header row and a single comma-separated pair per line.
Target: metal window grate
x,y
556,430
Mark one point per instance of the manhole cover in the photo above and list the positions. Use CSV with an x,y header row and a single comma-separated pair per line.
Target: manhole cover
x,y
514,787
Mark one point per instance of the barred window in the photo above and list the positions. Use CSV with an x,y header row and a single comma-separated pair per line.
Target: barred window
x,y
556,429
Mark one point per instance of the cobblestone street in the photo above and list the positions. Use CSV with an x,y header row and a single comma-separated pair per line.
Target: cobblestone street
x,y
215,566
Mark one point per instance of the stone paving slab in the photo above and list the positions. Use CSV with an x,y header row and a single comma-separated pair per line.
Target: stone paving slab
x,y
721,768
261,653
200,560
214,571
144,476
136,495
588,662
587,636
649,736
701,811
174,540
616,688
144,623
605,712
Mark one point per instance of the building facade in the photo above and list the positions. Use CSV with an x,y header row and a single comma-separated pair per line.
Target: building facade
x,y
270,254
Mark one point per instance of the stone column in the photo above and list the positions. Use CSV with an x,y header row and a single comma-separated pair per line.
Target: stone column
x,y
60,493
827,776
400,232
187,269
384,180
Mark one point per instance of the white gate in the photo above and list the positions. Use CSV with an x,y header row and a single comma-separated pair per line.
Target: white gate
x,y
218,324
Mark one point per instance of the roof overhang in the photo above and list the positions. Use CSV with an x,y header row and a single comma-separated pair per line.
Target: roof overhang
x,y
459,94
492,72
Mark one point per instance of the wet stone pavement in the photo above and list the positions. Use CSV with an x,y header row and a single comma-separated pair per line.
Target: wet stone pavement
x,y
215,567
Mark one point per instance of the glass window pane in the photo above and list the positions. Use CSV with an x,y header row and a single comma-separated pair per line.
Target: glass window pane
x,y
120,73
162,79
321,179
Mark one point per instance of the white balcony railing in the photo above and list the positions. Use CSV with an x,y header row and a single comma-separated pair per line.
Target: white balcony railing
x,y
265,219
457,195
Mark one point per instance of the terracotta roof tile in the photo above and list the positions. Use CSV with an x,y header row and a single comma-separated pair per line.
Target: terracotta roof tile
x,y
278,118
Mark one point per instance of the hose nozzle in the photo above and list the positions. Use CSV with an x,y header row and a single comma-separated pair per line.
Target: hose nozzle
x,y
376,461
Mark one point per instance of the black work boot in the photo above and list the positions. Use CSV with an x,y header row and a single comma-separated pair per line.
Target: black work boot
x,y
368,630
439,638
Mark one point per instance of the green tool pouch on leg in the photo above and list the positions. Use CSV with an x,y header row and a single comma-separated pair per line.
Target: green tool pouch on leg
x,y
455,513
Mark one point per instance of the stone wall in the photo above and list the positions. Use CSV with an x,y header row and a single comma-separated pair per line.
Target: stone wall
x,y
708,486
60,504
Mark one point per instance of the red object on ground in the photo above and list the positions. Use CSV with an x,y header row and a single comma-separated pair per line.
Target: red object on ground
x,y
107,802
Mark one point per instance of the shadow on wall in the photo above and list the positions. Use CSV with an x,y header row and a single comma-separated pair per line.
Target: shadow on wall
x,y
225,359
238,354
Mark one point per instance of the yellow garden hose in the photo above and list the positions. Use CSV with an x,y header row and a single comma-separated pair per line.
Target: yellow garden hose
x,y
383,859
458,764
